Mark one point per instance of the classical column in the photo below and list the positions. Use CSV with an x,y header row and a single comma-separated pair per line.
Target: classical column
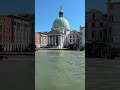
x,y
55,39
52,39
62,37
59,39
48,40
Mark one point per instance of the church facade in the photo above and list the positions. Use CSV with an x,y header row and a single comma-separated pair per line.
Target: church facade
x,y
58,37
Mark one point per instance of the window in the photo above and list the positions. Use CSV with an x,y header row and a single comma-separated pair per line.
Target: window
x,y
73,36
93,24
0,28
100,34
4,29
77,36
80,38
112,18
111,6
70,40
86,25
73,40
110,29
101,24
6,38
9,29
93,35
86,35
93,15
0,38
70,36
4,19
80,33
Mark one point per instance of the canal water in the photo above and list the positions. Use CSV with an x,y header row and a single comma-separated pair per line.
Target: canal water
x,y
59,70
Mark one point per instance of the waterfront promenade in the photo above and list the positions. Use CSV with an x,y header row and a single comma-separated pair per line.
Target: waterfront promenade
x,y
18,53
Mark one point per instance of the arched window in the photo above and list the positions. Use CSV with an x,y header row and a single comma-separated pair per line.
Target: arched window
x,y
93,15
100,34
93,34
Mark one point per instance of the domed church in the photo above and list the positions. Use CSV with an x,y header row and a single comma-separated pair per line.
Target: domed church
x,y
58,37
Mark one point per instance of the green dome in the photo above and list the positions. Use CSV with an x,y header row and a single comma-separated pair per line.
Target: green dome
x,y
61,23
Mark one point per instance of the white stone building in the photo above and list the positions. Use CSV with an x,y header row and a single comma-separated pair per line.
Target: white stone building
x,y
74,37
43,39
21,32
82,38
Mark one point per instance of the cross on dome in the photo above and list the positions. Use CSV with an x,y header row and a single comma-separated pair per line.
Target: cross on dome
x,y
61,12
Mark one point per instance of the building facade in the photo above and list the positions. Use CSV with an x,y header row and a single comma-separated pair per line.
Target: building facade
x,y
113,21
21,33
43,39
95,32
102,30
58,37
31,19
82,38
5,33
74,37
37,39
15,32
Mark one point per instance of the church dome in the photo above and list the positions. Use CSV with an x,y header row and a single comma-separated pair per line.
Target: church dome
x,y
61,23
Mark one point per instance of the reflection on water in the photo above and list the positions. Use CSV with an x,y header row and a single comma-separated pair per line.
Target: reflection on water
x,y
60,70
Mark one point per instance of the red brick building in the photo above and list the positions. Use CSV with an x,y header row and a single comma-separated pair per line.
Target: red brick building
x,y
5,32
37,39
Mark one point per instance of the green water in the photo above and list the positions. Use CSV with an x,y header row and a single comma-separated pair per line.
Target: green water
x,y
60,70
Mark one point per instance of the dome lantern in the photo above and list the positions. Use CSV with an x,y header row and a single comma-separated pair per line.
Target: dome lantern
x,y
61,12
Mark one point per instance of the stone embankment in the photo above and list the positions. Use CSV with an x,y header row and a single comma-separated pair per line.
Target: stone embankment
x,y
18,53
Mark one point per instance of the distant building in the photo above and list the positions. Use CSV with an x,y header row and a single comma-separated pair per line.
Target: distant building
x,y
37,39
21,33
82,38
96,32
113,21
5,33
43,39
16,32
31,19
74,37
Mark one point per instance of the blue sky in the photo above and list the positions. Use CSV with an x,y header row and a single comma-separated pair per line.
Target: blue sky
x,y
46,12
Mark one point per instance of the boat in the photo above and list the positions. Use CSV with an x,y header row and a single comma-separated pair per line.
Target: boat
x,y
3,56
